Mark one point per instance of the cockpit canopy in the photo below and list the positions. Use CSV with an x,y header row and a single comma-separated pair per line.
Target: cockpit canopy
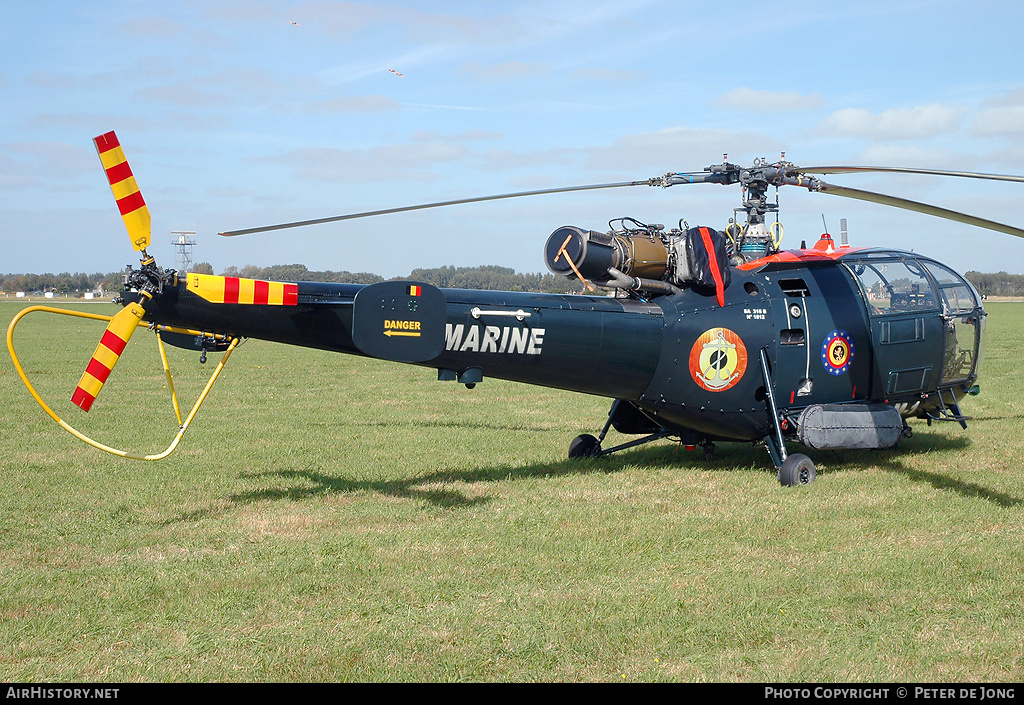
x,y
895,282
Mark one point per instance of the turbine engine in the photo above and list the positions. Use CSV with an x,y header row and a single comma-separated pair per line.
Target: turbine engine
x,y
640,258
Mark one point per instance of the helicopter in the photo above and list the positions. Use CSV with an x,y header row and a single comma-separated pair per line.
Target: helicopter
x,y
698,335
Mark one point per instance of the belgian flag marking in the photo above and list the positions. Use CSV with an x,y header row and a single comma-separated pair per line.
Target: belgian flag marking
x,y
415,290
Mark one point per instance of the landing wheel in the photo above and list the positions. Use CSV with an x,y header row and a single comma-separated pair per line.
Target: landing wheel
x,y
709,450
797,469
585,446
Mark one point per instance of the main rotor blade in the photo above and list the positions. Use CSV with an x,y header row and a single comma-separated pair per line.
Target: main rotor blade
x,y
386,211
896,202
904,170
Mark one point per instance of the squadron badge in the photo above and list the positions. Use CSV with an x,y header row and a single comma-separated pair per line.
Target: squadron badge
x,y
718,360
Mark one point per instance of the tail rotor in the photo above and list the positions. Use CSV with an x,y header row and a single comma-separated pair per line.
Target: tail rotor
x,y
112,344
149,279
130,202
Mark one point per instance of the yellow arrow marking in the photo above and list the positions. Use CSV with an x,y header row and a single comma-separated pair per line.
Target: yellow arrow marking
x,y
401,332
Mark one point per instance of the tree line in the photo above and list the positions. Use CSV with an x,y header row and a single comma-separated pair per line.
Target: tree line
x,y
490,277
65,283
999,284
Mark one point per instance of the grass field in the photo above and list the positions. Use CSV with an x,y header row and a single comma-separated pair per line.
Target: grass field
x,y
338,519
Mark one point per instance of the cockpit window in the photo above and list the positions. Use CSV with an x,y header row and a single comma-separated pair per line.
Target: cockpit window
x,y
956,294
894,286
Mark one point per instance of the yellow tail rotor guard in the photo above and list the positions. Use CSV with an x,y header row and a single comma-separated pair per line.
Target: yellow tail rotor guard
x,y
183,425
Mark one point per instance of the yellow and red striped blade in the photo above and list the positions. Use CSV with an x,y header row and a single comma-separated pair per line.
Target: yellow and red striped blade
x,y
126,192
114,340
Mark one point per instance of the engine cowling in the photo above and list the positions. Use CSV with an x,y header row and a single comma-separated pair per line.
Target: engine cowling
x,y
595,254
646,259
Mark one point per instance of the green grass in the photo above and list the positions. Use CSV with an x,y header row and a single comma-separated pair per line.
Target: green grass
x,y
330,518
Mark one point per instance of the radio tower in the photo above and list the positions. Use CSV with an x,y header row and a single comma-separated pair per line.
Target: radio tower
x,y
183,243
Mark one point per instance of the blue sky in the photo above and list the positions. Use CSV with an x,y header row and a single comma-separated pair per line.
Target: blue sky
x,y
241,113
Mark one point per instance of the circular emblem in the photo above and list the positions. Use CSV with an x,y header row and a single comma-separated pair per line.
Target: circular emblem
x,y
718,360
837,352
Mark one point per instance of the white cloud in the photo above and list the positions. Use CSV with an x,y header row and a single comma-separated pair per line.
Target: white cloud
x,y
769,101
46,160
1004,121
182,94
896,124
404,162
1015,97
909,155
610,75
356,104
644,154
466,136
681,148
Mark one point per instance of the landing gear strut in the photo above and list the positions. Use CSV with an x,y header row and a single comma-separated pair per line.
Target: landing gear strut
x,y
586,446
796,469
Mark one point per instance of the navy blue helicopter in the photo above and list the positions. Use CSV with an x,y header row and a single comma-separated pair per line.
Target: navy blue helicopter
x,y
694,334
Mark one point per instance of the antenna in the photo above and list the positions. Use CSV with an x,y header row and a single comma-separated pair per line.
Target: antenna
x,y
183,242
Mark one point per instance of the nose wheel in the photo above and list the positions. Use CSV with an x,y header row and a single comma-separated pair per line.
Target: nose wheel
x,y
796,469
587,446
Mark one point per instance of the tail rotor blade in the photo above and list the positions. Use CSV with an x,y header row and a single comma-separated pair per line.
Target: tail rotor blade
x,y
114,340
126,192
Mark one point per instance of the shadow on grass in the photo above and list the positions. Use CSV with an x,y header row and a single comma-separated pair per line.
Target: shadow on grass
x,y
901,461
429,488
456,423
439,488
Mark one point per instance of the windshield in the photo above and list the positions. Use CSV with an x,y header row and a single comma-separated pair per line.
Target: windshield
x,y
956,294
894,286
